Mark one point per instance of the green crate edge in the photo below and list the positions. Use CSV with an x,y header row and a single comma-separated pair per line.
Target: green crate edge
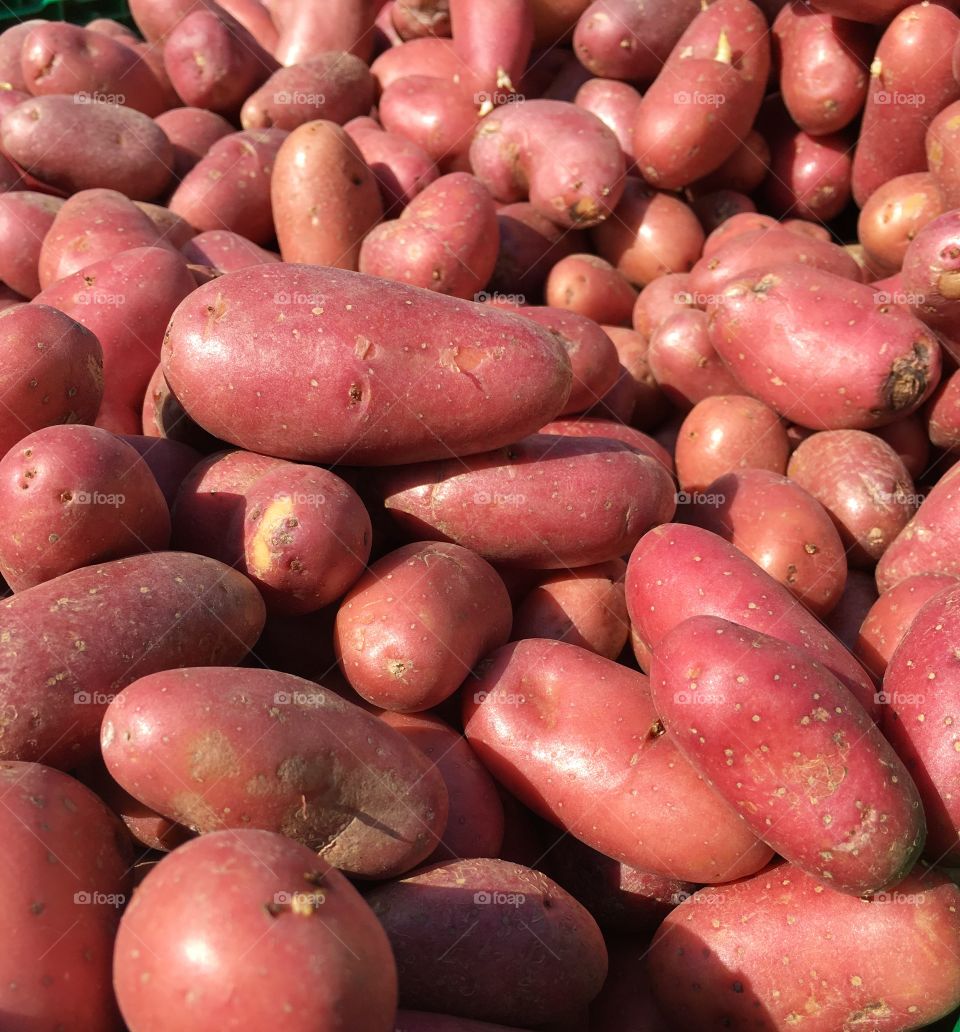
x,y
77,11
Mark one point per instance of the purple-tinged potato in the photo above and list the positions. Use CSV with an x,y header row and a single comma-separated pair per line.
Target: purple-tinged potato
x,y
930,278
571,167
726,432
862,483
546,502
576,738
589,426
592,287
651,234
619,404
114,623
224,748
626,1003
809,175
73,496
64,882
784,742
192,132
97,146
445,239
225,251
894,214
943,414
908,438
163,417
446,963
155,20
847,616
713,209
25,219
211,195
712,969
678,571
781,527
493,40
530,246
168,461
309,29
774,325
615,104
113,29
660,299
475,815
52,371
246,928
401,167
415,624
490,378
683,361
911,81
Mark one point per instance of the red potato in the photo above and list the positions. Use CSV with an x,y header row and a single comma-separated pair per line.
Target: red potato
x,y
576,181
256,19
592,287
98,146
584,607
911,81
163,417
445,239
809,175
52,371
735,226
66,875
94,68
218,748
544,503
172,228
401,167
74,496
713,209
155,20
781,527
168,461
677,572
743,171
619,404
25,219
229,188
739,966
553,74
908,438
475,820
415,18
769,326
493,40
824,67
576,738
808,770
295,402
225,251
862,483
114,29
530,245
537,926
191,132
659,299
259,911
335,86
413,626
307,29
928,278
942,146
684,363
894,214
727,432
943,414
615,104
422,58
586,426
113,632
650,234
11,47
650,404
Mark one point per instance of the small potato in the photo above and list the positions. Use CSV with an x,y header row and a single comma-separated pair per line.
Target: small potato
x,y
414,625
809,175
615,104
415,18
191,132
928,278
73,496
726,432
530,245
98,146
660,299
191,955
544,503
11,47
576,179
52,371
684,363
862,483
893,215
446,239
25,219
172,228
735,226
591,286
211,195
225,251
325,199
781,527
222,748
420,57
401,167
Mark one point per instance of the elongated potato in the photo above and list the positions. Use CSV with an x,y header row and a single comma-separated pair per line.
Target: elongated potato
x,y
387,348
493,40
225,251
576,738
307,29
809,176
590,426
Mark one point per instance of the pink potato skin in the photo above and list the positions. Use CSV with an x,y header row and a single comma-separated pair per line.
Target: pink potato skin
x,y
942,147
809,175
770,325
283,940
710,968
325,405
58,707
413,626
592,287
225,251
781,740
307,29
212,749
684,363
493,40
894,214
943,414
536,714
401,167
586,426
928,278
660,299
650,404
677,572
64,881
192,132
544,503
615,104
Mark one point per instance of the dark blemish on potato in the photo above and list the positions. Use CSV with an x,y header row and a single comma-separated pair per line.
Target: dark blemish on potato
x,y
355,393
908,380
66,496
810,549
656,729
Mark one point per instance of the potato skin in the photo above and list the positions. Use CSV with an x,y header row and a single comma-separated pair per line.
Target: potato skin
x,y
942,146
401,167
770,325
710,968
52,371
588,426
530,245
503,378
519,917
191,132
219,747
590,286
25,219
615,104
683,361
576,738
225,251
894,214
168,461
64,880
413,626
54,709
809,176
266,912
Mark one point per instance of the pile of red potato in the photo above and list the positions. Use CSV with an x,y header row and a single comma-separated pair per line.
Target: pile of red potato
x,y
479,510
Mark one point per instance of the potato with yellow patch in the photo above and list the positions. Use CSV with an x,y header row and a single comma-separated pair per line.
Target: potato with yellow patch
x,y
219,748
